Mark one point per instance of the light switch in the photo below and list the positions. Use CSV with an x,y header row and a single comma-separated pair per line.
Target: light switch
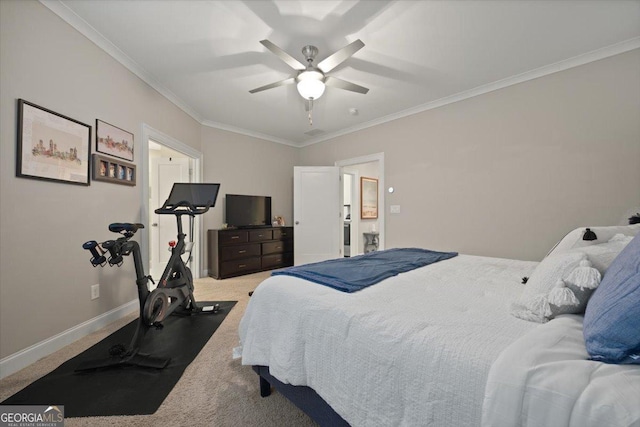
x,y
394,208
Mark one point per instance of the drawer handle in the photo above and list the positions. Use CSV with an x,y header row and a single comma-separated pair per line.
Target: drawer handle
x,y
242,265
235,237
259,235
278,247
242,252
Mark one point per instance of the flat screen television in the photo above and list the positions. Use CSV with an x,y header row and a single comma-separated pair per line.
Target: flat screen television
x,y
247,211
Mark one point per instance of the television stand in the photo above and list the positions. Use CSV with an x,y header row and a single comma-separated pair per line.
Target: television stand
x,y
239,251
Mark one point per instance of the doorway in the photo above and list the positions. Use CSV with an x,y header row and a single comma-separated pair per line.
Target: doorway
x,y
168,161
350,211
371,166
318,209
166,167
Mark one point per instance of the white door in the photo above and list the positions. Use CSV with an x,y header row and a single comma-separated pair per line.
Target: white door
x,y
317,214
164,173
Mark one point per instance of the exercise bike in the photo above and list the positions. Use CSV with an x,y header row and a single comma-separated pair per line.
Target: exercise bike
x,y
174,293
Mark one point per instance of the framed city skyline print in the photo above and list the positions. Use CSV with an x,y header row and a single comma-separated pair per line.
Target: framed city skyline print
x,y
113,141
51,146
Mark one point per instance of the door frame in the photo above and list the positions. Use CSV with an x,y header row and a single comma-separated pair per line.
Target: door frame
x,y
196,157
376,157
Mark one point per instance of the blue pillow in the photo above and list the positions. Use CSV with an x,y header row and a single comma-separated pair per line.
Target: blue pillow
x,y
612,318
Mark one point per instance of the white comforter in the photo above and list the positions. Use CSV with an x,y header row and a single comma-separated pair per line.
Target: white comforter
x,y
544,379
412,350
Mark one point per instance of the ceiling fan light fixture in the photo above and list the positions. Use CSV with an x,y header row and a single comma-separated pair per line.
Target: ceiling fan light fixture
x,y
310,84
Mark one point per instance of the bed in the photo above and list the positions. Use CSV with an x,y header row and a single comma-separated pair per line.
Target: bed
x,y
437,346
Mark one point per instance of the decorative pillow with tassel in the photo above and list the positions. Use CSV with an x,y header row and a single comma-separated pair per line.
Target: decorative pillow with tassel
x,y
570,296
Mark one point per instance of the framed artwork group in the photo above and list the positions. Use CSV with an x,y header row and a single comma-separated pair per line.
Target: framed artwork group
x,y
54,147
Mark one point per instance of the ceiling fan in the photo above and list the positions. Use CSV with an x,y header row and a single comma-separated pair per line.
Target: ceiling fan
x,y
310,79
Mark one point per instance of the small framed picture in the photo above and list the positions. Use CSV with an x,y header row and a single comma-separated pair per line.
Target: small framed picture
x,y
368,198
104,167
114,171
114,141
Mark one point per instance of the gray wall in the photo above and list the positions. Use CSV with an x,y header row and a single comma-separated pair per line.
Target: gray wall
x,y
45,275
245,165
510,172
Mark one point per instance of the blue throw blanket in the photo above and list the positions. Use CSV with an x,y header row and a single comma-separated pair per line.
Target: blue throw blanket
x,y
356,273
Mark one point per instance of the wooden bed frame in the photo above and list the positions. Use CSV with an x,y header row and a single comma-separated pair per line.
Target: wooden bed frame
x,y
303,397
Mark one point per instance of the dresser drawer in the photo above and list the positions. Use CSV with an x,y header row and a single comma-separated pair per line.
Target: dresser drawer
x,y
277,247
238,236
240,266
239,251
277,260
260,235
283,233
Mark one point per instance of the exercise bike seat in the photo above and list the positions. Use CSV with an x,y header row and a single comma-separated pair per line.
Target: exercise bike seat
x,y
118,227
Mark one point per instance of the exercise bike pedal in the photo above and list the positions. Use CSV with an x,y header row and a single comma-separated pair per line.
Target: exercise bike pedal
x,y
211,308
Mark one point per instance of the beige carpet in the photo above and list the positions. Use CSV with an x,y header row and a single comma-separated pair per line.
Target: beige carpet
x,y
214,390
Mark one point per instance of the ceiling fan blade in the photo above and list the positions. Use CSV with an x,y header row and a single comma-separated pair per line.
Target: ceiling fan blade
x,y
272,85
338,57
342,84
290,60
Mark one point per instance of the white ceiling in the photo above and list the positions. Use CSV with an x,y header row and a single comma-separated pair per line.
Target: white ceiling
x,y
205,56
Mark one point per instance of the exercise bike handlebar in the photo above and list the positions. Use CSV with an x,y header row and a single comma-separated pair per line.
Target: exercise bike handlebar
x,y
182,207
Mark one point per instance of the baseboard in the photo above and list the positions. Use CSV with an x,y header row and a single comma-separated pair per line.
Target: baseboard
x,y
32,354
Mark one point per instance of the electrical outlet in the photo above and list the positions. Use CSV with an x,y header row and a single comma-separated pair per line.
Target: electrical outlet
x,y
95,291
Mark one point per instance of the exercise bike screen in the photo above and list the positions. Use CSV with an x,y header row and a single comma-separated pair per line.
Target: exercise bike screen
x,y
199,195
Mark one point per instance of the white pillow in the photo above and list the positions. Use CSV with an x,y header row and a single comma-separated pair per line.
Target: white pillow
x,y
533,305
574,238
549,271
603,254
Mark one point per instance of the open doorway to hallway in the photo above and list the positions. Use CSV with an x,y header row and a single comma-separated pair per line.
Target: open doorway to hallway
x,y
362,235
168,161
166,167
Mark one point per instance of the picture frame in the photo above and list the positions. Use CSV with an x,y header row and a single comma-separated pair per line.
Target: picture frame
x,y
51,146
113,141
107,169
368,198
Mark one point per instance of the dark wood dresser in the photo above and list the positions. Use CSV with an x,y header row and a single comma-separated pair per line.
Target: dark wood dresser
x,y
234,252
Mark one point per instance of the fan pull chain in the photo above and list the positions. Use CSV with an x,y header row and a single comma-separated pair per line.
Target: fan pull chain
x,y
310,112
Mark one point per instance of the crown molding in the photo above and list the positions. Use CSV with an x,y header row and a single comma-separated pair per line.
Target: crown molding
x,y
63,11
73,19
248,132
566,64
